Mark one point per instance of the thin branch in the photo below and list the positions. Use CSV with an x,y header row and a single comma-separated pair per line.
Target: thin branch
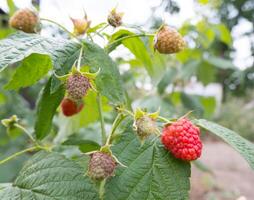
x,y
103,131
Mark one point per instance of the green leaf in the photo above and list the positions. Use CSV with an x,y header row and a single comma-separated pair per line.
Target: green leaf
x,y
203,1
46,108
11,6
90,112
63,54
20,45
4,32
96,27
50,176
189,69
209,105
243,146
84,145
151,172
206,73
220,63
108,81
167,79
136,47
223,33
192,102
32,69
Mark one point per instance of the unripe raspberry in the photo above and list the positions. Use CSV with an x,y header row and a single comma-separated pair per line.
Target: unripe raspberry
x,y
168,41
77,86
115,18
81,25
145,126
25,20
101,166
182,139
70,107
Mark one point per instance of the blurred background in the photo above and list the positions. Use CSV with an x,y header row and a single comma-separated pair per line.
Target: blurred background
x,y
214,77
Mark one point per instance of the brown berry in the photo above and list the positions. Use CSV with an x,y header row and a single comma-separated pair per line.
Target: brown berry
x,y
25,20
168,41
115,18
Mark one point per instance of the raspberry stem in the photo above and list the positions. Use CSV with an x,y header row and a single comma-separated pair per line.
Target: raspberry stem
x,y
119,118
164,119
26,132
37,147
103,131
79,58
126,111
127,37
62,27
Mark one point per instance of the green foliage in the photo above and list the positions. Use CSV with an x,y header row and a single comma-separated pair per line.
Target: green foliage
x,y
84,145
108,81
90,113
46,108
50,176
33,68
136,47
20,45
12,7
151,173
237,113
243,146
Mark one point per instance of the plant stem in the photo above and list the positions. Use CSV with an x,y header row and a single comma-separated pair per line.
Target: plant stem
x,y
62,27
80,58
116,123
126,111
128,37
102,189
26,132
103,28
19,153
164,119
103,131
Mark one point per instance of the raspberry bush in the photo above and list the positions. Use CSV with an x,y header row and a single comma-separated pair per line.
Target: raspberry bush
x,y
87,140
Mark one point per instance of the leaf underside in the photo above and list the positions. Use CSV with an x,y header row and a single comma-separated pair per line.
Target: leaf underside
x,y
241,145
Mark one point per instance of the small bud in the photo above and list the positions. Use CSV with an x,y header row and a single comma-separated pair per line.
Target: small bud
x,y
114,18
145,124
81,25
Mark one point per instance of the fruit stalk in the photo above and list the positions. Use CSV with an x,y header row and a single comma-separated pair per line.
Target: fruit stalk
x,y
128,37
103,131
62,27
37,147
119,118
80,58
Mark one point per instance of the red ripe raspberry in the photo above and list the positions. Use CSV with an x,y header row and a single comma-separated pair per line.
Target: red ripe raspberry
x,y
101,166
182,139
70,107
77,86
